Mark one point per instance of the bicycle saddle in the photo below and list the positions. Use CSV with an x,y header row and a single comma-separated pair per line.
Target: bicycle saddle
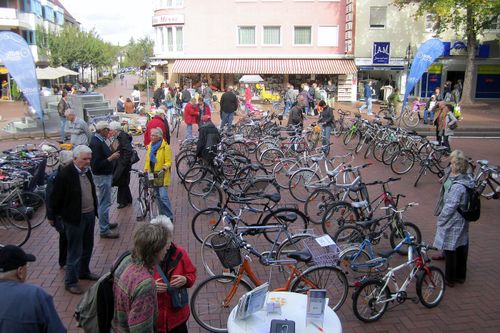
x,y
255,167
441,148
304,256
359,204
274,197
316,158
287,217
483,162
434,143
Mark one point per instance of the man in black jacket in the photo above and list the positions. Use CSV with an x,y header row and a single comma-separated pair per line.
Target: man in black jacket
x,y
228,106
159,95
208,139
74,199
102,169
326,119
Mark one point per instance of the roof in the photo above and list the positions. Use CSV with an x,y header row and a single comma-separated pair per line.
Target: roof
x,y
67,15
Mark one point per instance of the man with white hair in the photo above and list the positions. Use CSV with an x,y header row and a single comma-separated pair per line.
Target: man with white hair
x,y
102,169
78,128
74,199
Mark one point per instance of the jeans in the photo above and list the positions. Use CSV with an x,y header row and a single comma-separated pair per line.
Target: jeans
x,y
430,115
288,106
226,118
63,127
103,187
189,131
164,205
80,245
368,104
326,132
306,110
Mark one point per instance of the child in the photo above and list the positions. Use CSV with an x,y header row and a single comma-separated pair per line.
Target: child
x,y
429,110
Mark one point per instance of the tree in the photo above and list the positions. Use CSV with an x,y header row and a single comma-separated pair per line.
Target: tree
x,y
136,52
467,17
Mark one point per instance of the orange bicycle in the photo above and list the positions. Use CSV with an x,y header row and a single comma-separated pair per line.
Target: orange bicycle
x,y
214,298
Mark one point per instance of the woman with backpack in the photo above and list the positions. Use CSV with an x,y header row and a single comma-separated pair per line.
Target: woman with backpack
x,y
452,234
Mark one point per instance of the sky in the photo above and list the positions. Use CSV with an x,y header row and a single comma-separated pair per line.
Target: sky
x,y
114,20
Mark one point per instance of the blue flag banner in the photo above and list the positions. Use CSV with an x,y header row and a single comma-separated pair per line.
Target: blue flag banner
x,y
426,54
16,56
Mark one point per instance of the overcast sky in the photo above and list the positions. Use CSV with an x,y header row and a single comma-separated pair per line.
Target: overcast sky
x,y
114,20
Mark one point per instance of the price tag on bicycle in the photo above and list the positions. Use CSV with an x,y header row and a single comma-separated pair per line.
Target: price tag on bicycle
x,y
151,176
325,240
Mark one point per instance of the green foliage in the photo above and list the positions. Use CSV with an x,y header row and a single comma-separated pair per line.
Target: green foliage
x,y
137,51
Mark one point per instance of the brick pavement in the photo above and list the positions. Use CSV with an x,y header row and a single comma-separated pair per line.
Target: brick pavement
x,y
472,307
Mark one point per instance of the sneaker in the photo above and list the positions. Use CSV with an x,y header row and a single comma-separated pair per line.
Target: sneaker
x,y
369,114
110,235
76,290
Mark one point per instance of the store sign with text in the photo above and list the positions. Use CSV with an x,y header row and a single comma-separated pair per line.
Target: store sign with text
x,y
168,19
381,53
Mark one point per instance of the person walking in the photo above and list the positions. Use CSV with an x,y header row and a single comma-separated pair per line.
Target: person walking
x,y
185,97
394,104
307,99
228,106
296,118
368,92
122,143
74,199
248,99
203,110
134,287
159,95
191,114
25,307
326,120
158,160
120,104
430,106
78,128
207,94
102,169
445,123
452,233
62,106
129,106
290,97
178,269
331,91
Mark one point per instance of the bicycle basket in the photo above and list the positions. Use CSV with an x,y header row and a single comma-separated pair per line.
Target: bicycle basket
x,y
227,250
322,255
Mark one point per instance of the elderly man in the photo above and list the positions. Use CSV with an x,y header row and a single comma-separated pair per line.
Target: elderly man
x,y
74,200
62,106
78,128
24,307
102,169
228,106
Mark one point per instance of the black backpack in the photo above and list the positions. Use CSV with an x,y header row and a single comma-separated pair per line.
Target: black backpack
x,y
95,311
472,210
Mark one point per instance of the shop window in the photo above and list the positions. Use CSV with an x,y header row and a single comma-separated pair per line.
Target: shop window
x,y
246,35
328,36
272,35
378,17
29,36
302,36
179,39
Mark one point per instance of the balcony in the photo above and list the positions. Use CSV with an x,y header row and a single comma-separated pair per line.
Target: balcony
x,y
13,18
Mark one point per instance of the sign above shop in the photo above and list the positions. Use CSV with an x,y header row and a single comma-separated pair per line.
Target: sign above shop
x,y
168,19
381,53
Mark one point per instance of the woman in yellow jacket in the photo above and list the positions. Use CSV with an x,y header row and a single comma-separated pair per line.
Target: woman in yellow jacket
x,y
158,161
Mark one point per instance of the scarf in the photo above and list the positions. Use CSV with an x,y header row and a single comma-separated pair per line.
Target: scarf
x,y
154,149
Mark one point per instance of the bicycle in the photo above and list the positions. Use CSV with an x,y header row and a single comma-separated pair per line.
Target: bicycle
x,y
213,299
487,180
146,199
176,121
372,297
432,161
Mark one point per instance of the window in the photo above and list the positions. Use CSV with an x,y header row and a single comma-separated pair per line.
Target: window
x,y
378,17
170,39
179,39
29,36
272,35
171,3
246,35
302,36
36,7
495,23
162,33
48,13
328,36
59,18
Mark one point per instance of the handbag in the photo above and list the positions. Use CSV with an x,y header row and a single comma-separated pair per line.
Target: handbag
x,y
179,296
135,157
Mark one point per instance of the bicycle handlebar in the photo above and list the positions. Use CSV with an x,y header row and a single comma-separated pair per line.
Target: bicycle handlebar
x,y
381,182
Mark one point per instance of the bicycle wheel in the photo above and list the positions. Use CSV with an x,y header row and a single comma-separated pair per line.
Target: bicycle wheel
x,y
337,215
402,162
32,205
348,234
361,143
52,154
284,216
411,118
389,151
330,278
184,164
270,157
205,222
15,227
204,193
239,147
209,258
430,286
420,174
378,150
195,174
350,141
302,183
352,261
318,203
284,169
263,146
211,302
337,129
398,234
369,150
294,244
370,301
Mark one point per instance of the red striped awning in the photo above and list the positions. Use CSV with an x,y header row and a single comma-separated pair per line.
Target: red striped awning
x,y
264,66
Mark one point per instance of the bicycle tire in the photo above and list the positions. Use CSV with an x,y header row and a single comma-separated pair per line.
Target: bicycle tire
x,y
338,128
330,278
204,193
11,232
210,260
350,141
239,147
367,295
422,171
294,244
369,150
398,234
317,203
389,151
283,170
348,234
402,162
362,140
263,146
430,280
348,259
337,215
195,174
184,164
207,301
270,157
32,205
302,183
141,200
411,118
378,150
205,222
278,216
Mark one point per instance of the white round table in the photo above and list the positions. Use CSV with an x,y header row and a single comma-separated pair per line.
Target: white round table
x,y
293,307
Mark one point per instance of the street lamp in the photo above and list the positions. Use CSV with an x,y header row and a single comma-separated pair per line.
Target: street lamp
x,y
146,71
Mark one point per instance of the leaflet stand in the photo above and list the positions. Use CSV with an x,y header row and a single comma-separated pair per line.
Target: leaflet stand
x,y
316,302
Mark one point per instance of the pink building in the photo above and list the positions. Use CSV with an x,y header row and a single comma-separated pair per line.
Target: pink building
x,y
284,41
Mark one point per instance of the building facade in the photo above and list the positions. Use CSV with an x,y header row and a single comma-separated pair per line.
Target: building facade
x,y
284,41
